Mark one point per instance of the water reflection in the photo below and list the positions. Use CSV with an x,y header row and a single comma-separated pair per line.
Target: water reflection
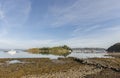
x,y
88,55
22,54
27,55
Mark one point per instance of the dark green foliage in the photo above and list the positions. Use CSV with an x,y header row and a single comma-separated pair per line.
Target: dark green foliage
x,y
114,48
66,47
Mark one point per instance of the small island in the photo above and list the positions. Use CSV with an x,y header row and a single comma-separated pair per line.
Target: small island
x,y
58,50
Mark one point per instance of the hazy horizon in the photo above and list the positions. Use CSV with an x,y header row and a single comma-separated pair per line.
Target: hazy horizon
x,y
76,23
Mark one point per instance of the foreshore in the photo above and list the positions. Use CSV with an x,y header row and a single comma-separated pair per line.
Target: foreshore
x,y
60,68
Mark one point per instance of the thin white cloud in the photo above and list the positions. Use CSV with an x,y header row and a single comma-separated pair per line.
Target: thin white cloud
x,y
104,41
13,43
83,30
113,28
16,11
3,32
89,15
13,13
86,15
1,15
86,11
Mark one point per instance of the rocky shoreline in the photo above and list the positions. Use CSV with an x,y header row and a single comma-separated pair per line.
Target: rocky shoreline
x,y
46,68
78,72
103,63
61,68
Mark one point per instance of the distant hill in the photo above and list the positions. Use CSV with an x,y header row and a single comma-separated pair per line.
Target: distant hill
x,y
114,48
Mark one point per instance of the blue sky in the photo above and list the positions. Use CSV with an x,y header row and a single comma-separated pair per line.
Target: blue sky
x,y
77,23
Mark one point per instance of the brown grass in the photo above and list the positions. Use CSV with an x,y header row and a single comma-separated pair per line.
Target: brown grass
x,y
37,67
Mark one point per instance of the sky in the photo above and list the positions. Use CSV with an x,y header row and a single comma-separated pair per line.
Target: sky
x,y
76,23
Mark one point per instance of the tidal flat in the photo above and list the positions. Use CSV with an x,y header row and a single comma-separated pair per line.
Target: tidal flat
x,y
60,68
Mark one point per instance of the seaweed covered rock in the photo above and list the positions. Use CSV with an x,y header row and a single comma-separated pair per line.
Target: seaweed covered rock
x,y
114,48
